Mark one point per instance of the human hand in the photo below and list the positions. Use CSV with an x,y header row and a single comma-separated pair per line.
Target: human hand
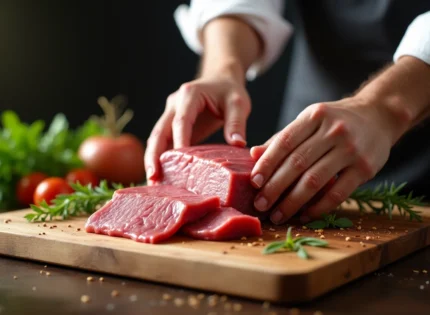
x,y
350,138
195,111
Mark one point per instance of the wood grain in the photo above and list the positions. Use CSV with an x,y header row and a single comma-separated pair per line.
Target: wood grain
x,y
216,266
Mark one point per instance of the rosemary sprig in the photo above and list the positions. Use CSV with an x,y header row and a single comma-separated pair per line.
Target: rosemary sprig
x,y
329,220
385,198
294,245
84,200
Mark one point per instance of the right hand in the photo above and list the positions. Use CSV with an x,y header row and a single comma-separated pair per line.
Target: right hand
x,y
194,112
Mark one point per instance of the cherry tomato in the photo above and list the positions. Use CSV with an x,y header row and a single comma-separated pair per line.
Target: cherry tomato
x,y
83,176
27,185
49,188
116,159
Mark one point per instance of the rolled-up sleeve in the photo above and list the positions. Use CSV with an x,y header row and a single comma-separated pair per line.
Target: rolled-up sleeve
x,y
265,16
416,41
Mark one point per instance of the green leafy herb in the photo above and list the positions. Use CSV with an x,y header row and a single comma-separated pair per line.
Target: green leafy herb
x,y
385,198
26,148
84,200
294,245
330,221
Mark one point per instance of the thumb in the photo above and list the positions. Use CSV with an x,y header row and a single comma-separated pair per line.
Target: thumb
x,y
236,115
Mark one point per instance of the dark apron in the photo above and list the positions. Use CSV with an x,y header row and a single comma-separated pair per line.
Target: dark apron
x,y
337,45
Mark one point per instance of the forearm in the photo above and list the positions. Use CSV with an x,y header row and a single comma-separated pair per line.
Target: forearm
x,y
230,46
402,93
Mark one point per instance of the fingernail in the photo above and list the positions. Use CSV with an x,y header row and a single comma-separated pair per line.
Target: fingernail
x,y
237,137
261,203
304,219
149,172
258,180
277,217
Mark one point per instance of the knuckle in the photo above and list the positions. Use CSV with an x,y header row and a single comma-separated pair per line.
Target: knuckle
x,y
339,129
366,167
285,141
336,197
351,149
313,181
318,111
180,120
265,163
188,87
298,162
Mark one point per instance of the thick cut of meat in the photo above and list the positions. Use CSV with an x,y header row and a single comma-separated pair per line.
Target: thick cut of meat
x,y
212,170
222,225
149,214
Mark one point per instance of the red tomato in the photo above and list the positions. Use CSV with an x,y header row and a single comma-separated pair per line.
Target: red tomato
x,y
83,176
116,159
50,188
27,185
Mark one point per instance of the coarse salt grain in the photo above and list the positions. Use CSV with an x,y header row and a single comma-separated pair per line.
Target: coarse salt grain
x,y
277,236
347,238
114,293
367,238
391,228
133,298
243,238
237,307
272,230
424,271
374,228
33,288
178,302
166,297
85,298
304,227
322,236
15,277
101,279
359,227
298,234
421,287
89,279
200,296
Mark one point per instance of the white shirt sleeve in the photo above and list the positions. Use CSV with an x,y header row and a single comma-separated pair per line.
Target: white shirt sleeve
x,y
416,41
265,16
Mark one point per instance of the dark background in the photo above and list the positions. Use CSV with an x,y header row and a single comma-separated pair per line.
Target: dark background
x,y
59,56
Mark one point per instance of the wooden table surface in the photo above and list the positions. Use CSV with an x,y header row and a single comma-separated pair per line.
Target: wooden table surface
x,y
400,288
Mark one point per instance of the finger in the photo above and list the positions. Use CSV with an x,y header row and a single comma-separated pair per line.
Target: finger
x,y
157,143
257,151
344,186
236,114
188,105
206,124
309,184
291,169
282,145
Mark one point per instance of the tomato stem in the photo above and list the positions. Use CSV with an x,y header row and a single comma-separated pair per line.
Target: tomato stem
x,y
112,120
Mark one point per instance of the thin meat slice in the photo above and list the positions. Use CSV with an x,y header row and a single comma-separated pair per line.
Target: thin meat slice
x,y
224,224
212,170
150,214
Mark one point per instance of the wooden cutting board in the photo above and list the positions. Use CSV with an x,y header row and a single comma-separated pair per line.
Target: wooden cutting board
x,y
235,268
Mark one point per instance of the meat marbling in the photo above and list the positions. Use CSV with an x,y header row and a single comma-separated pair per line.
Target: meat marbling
x,y
149,214
212,170
223,224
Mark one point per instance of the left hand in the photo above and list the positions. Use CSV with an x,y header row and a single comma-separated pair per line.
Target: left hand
x,y
350,138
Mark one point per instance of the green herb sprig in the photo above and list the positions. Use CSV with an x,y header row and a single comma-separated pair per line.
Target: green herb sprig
x,y
385,198
294,245
84,200
329,220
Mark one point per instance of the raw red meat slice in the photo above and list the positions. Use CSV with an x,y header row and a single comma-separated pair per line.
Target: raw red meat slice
x,y
149,214
224,224
212,170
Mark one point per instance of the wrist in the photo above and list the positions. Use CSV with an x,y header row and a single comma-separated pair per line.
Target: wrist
x,y
400,94
231,69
